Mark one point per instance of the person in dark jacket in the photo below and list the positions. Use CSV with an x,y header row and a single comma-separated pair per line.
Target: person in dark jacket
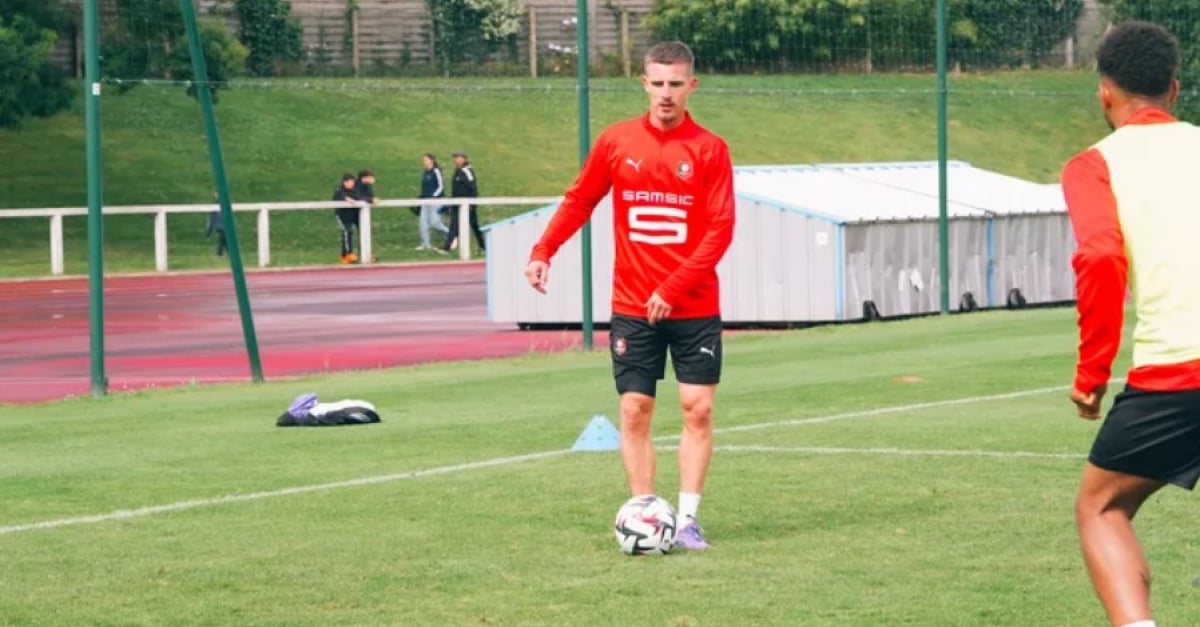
x,y
464,186
365,186
432,186
216,225
347,216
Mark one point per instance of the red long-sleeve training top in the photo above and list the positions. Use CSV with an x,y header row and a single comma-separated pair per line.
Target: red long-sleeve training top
x,y
1133,204
673,214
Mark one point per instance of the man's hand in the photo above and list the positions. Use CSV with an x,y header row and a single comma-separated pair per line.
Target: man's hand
x,y
1087,404
538,274
656,309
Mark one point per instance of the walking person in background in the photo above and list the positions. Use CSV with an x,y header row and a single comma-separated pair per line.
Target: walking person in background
x,y
464,186
432,186
216,225
347,216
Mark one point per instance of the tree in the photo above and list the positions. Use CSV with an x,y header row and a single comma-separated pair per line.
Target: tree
x,y
839,34
30,86
272,34
147,41
1179,17
472,30
1018,32
224,56
137,44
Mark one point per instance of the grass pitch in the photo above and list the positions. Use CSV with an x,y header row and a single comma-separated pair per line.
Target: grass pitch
x,y
845,491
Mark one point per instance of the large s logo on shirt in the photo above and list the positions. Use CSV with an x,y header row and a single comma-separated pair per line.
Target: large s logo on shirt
x,y
657,224
653,225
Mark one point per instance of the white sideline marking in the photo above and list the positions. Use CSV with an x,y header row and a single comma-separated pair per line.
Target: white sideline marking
x,y
496,461
881,411
255,496
903,452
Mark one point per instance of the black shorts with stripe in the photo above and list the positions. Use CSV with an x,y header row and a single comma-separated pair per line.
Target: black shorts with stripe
x,y
1154,435
639,352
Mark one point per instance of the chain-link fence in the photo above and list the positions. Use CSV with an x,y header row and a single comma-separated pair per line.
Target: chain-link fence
x,y
311,90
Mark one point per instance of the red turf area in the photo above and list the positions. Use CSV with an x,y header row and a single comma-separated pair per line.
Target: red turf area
x,y
172,329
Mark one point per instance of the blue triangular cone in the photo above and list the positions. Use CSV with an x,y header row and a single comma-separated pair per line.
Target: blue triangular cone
x,y
598,435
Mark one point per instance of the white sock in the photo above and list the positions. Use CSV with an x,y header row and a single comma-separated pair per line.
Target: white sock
x,y
1141,623
689,502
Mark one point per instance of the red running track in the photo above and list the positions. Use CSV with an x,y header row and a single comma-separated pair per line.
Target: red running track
x,y
164,330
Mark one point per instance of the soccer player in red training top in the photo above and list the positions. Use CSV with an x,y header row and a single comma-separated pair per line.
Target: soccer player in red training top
x,y
1134,206
673,216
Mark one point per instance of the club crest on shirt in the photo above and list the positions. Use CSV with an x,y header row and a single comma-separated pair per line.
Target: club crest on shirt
x,y
684,169
619,346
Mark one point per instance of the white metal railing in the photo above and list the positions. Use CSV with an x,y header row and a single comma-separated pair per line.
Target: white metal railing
x,y
160,212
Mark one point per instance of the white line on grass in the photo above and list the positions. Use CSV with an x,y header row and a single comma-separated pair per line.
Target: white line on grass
x,y
881,411
487,463
255,496
903,452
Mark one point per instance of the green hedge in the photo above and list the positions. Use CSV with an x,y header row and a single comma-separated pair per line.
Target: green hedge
x,y
782,35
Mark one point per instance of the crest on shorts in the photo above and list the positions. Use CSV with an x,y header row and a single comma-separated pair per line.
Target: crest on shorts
x,y
684,169
619,346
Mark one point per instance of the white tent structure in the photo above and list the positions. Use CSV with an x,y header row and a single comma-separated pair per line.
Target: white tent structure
x,y
829,242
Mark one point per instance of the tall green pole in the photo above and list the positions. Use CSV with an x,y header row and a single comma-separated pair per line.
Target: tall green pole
x,y
581,88
943,201
200,73
95,189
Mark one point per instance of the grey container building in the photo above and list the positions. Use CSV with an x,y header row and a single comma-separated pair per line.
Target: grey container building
x,y
815,243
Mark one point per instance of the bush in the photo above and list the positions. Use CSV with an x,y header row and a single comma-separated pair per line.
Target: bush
x,y
836,34
148,41
473,30
224,56
29,85
273,35
138,42
1016,33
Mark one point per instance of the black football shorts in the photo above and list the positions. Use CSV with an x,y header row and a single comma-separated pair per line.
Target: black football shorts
x,y
639,352
1154,435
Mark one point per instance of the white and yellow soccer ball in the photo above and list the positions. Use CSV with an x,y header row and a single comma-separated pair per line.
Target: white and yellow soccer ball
x,y
646,525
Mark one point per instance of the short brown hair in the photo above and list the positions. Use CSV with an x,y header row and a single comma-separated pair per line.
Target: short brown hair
x,y
669,53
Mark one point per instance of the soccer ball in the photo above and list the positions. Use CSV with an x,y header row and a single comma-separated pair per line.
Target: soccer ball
x,y
645,525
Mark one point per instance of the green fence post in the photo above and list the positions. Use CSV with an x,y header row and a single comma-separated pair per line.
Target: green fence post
x,y
95,193
200,72
943,201
581,88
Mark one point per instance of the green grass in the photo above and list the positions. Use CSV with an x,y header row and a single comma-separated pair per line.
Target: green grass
x,y
801,537
292,139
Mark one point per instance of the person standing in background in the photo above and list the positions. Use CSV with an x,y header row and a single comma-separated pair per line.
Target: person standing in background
x,y
365,186
347,217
